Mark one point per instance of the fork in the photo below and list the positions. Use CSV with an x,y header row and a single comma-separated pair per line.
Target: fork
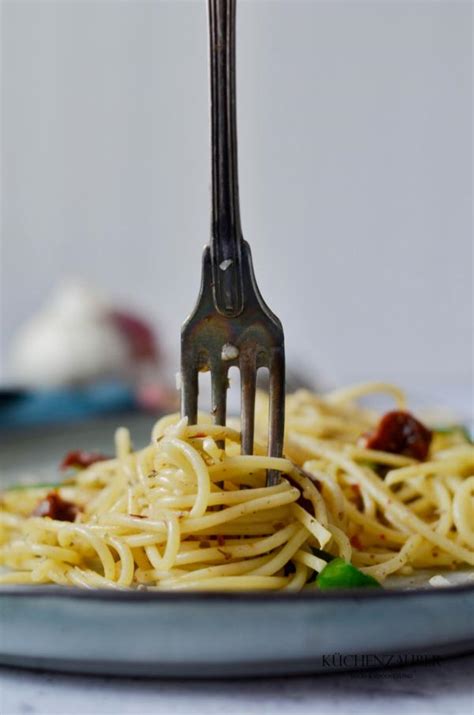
x,y
231,325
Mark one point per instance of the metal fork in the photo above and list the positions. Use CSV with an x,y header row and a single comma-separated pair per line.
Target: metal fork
x,y
231,324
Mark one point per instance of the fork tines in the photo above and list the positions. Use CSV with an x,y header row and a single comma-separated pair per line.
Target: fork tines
x,y
214,342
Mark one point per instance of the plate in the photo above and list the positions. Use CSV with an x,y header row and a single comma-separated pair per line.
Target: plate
x,y
225,635
140,633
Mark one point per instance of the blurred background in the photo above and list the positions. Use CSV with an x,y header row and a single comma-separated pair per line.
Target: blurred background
x,y
355,153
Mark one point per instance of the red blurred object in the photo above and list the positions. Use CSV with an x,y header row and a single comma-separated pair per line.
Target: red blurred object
x,y
157,397
81,459
138,335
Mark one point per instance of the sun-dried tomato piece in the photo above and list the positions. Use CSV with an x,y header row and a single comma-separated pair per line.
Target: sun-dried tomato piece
x,y
399,432
56,508
80,459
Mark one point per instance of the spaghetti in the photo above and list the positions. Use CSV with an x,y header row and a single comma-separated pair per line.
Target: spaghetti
x,y
190,512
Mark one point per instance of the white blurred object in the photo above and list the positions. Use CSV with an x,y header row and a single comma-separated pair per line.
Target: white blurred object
x,y
70,340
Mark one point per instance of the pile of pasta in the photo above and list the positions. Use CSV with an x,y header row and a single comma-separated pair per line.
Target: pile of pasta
x,y
189,511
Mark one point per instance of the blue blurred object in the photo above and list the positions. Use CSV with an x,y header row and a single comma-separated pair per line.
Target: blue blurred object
x,y
23,408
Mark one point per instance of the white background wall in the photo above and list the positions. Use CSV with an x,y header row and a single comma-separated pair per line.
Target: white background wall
x,y
355,166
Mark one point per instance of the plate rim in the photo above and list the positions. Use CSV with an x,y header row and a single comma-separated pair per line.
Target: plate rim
x,y
136,596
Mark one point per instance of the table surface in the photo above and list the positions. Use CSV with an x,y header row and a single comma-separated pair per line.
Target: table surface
x,y
445,687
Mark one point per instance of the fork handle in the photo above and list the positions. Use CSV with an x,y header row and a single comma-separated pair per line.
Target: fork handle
x,y
226,236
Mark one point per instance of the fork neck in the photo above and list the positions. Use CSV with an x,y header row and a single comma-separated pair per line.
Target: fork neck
x,y
226,237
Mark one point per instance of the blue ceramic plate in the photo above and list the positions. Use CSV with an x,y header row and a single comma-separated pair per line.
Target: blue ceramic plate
x,y
209,635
